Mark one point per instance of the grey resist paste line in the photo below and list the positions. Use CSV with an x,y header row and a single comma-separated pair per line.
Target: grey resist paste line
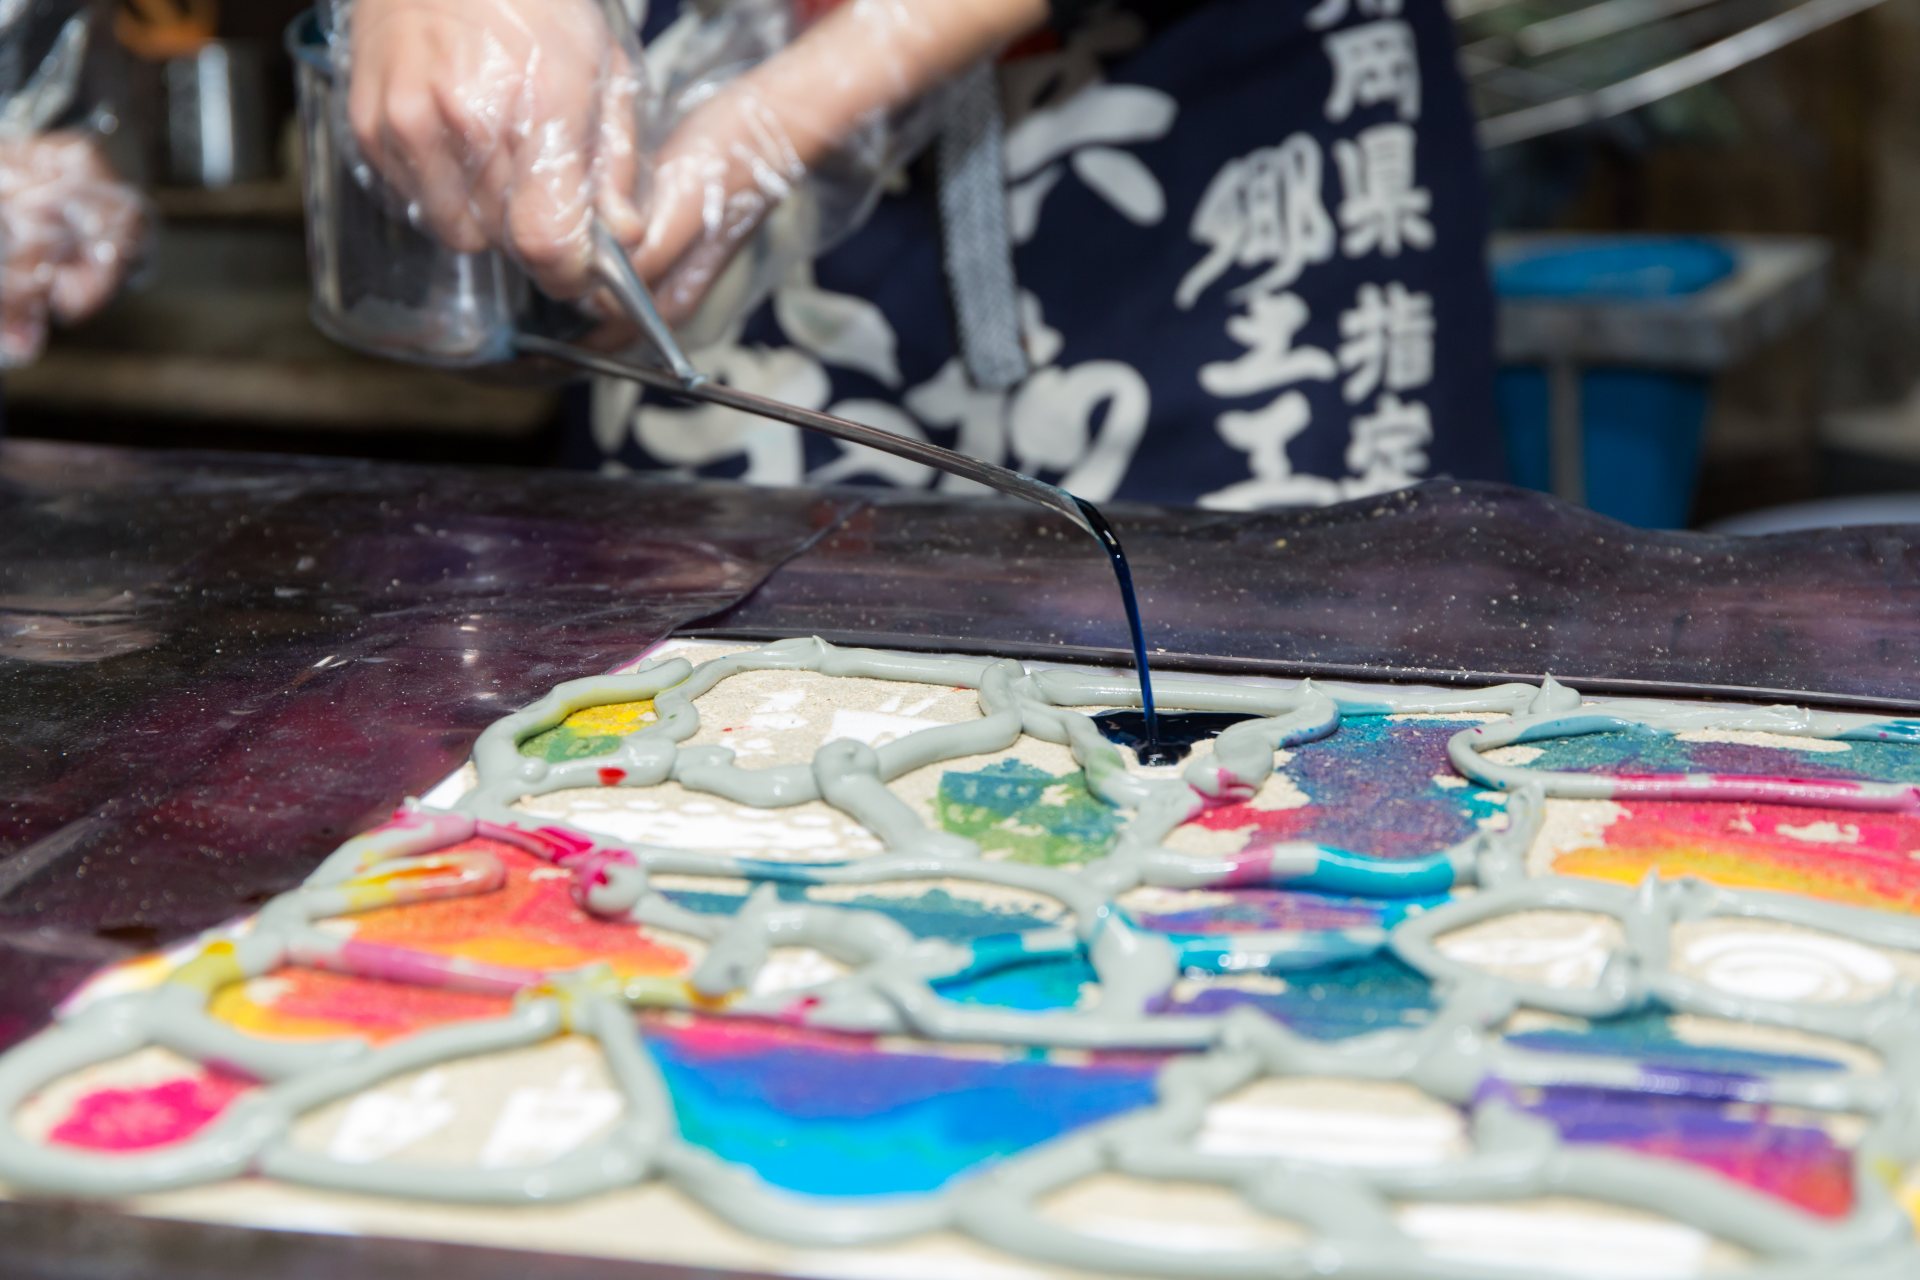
x,y
892,984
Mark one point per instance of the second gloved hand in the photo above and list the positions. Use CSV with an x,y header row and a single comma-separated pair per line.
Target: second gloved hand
x,y
824,110
69,231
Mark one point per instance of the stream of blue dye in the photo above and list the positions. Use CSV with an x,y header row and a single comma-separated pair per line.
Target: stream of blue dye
x,y
1150,751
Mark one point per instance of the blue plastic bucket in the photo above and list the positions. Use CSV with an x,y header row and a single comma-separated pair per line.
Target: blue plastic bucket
x,y
1642,427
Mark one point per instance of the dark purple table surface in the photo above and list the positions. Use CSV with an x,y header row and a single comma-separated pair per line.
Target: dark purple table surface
x,y
214,668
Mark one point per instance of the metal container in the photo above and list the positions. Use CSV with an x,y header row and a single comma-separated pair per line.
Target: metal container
x,y
379,284
218,125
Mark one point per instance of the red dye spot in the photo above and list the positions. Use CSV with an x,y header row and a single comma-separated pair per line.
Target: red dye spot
x,y
611,777
796,1013
153,1116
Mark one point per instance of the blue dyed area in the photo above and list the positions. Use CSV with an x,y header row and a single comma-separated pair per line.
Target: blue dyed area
x,y
1051,982
933,914
1648,751
1310,949
834,1121
1333,1003
1649,1038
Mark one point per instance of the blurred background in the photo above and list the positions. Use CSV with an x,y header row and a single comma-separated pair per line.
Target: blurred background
x,y
1710,292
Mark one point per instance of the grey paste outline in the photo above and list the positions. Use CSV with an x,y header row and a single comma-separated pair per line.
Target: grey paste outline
x,y
1448,1058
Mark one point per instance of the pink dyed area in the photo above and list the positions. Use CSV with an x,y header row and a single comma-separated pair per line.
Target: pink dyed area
x,y
1839,793
1759,846
152,1116
1819,1179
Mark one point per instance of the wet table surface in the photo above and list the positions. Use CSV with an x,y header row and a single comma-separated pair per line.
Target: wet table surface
x,y
214,668
1447,583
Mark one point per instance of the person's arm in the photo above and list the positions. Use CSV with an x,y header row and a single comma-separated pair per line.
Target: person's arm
x,y
737,155
509,124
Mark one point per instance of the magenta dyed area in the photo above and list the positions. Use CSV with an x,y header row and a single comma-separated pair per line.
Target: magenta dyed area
x,y
151,1116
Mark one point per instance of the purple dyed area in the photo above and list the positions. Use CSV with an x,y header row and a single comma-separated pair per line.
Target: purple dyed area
x,y
1603,1115
1371,790
1800,1164
1266,910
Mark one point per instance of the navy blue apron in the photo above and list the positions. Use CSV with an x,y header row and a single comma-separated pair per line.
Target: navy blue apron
x,y
1249,239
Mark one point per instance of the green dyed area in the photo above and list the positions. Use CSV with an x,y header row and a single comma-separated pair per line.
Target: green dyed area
x,y
563,743
1026,814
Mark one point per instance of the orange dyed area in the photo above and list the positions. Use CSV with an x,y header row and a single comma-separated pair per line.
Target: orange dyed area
x,y
148,1116
305,1004
1865,859
531,922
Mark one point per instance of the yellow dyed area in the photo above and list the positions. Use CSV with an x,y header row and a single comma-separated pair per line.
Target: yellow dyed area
x,y
1729,871
235,1008
1908,1196
214,967
614,718
647,960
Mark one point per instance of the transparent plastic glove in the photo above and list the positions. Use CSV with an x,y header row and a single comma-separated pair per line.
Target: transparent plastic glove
x,y
69,232
505,124
762,119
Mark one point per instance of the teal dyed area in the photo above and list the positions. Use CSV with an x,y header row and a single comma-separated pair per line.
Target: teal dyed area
x,y
821,1116
1027,814
1889,731
933,914
1643,751
1338,872
1648,1039
1333,1003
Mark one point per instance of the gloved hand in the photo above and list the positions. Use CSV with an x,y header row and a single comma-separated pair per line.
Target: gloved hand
x,y
508,123
502,123
822,108
69,232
